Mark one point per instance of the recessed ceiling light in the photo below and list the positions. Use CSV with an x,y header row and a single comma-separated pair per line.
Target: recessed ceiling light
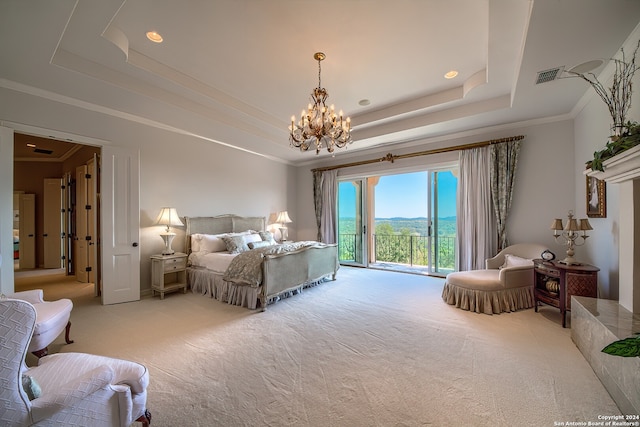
x,y
154,36
364,102
451,74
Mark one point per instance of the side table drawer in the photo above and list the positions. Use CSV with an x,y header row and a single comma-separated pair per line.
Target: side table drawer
x,y
175,264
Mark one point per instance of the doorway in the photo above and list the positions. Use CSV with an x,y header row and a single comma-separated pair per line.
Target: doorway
x,y
45,170
404,221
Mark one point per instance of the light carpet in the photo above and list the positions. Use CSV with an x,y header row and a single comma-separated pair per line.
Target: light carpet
x,y
373,348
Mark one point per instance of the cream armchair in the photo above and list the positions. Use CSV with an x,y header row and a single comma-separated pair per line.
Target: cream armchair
x,y
506,284
70,389
52,318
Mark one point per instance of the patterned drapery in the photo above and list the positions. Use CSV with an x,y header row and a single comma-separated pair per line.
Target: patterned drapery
x,y
317,200
504,160
325,193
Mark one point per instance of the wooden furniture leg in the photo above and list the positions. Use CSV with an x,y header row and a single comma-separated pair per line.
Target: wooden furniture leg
x,y
66,333
145,419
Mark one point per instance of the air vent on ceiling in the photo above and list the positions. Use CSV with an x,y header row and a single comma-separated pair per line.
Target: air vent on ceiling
x,y
549,75
42,151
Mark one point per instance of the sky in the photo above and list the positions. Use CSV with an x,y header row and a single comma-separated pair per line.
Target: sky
x,y
403,195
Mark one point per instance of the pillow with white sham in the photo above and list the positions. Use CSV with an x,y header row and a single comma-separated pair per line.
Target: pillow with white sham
x,y
213,243
267,236
515,261
195,242
253,237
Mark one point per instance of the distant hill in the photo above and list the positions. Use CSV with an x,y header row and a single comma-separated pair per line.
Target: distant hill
x,y
418,225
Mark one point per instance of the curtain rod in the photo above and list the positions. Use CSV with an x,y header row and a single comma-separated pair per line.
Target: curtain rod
x,y
392,158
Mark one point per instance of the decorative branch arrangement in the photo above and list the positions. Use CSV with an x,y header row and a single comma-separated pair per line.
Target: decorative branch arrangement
x,y
629,138
618,96
625,134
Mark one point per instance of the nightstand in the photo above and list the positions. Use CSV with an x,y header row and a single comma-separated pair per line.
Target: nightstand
x,y
168,273
556,283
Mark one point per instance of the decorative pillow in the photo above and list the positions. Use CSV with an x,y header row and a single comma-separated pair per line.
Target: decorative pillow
x,y
31,387
235,244
240,233
515,261
267,236
195,242
212,243
253,237
260,244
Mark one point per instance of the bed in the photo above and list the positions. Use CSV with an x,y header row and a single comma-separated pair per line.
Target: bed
x,y
284,269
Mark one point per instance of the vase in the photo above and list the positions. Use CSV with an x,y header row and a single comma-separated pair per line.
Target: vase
x,y
617,130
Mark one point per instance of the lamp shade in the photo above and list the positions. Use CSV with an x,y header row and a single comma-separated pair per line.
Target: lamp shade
x,y
169,217
557,224
584,224
572,225
283,218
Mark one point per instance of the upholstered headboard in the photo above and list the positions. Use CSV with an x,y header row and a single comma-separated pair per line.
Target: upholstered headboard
x,y
221,224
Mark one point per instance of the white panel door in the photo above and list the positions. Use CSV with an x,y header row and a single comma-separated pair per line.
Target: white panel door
x,y
80,243
52,233
92,224
27,248
120,207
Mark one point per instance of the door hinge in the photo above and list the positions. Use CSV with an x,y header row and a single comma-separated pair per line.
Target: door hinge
x,y
87,207
87,175
87,269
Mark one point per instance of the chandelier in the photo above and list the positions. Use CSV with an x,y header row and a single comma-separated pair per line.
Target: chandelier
x,y
320,125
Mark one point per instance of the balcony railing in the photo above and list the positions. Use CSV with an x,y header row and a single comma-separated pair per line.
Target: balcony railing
x,y
403,249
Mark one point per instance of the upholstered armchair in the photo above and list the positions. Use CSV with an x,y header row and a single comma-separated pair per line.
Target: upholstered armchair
x,y
70,389
506,284
52,318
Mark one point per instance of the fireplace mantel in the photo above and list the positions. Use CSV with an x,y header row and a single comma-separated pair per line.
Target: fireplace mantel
x,y
623,167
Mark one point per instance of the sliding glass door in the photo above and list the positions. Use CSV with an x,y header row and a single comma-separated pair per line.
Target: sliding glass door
x,y
442,230
351,222
404,222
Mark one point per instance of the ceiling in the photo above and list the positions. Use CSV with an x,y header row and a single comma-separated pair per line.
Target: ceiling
x,y
235,71
29,148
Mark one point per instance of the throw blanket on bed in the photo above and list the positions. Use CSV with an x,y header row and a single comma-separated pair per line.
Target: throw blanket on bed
x,y
246,267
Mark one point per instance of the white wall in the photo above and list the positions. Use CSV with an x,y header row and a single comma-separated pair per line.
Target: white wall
x,y
197,177
544,189
592,130
6,211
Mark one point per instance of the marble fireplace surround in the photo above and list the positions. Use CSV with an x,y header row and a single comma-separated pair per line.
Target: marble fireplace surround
x,y
595,323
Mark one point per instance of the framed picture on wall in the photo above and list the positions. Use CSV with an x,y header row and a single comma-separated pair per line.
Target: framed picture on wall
x,y
596,198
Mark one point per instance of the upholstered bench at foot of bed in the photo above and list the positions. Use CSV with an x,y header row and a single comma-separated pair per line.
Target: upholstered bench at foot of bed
x,y
482,292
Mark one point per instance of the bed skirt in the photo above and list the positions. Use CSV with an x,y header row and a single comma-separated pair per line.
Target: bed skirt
x,y
210,283
489,301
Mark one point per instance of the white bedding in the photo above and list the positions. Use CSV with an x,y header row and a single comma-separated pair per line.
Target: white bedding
x,y
214,261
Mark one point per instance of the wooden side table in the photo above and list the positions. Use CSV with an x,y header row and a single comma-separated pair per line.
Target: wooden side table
x,y
555,283
168,273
